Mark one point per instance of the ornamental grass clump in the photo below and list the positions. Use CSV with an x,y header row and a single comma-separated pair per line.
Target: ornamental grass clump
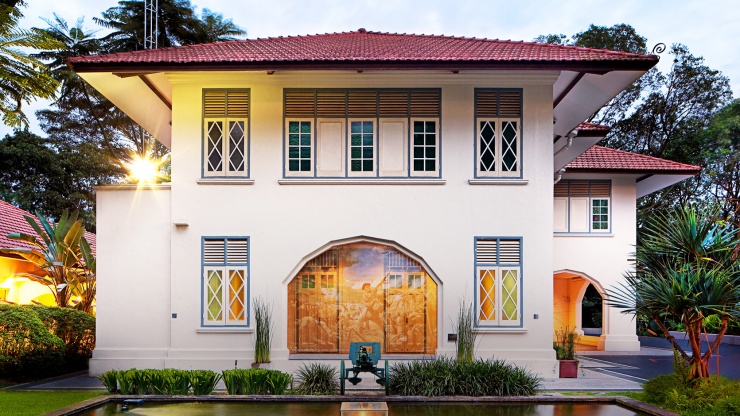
x,y
465,329
444,376
256,381
317,379
169,382
565,344
263,331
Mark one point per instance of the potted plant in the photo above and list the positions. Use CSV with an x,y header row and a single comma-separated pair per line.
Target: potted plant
x,y
565,349
262,333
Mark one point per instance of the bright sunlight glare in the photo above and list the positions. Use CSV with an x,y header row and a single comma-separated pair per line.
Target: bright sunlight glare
x,y
143,170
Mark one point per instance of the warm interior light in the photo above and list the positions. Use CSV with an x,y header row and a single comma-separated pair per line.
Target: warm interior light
x,y
142,169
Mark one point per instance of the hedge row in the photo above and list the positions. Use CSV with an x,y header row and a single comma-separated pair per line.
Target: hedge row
x,y
41,341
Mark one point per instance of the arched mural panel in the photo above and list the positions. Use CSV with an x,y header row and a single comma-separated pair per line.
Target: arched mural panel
x,y
362,292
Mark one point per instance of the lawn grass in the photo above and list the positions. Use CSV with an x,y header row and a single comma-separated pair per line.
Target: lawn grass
x,y
35,403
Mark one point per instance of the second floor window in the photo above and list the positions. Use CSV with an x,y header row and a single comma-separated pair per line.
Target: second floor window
x,y
582,206
498,118
226,133
335,133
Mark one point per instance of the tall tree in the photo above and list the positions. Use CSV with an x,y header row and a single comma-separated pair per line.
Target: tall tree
x,y
685,271
22,78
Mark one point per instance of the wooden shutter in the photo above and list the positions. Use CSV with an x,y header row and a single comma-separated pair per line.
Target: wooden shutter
x,y
362,103
510,251
579,214
330,147
237,104
237,251
393,148
300,104
601,188
214,103
560,215
331,104
425,103
213,251
393,104
497,103
561,189
485,251
579,188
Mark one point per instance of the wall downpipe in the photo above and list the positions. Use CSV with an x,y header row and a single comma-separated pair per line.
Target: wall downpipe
x,y
559,176
570,136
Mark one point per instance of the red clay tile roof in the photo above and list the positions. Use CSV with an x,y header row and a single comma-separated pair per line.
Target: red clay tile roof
x,y
592,127
12,221
599,158
368,50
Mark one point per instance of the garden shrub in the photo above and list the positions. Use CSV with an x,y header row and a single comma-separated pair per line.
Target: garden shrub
x,y
169,382
203,381
704,397
75,328
28,350
446,377
317,379
256,381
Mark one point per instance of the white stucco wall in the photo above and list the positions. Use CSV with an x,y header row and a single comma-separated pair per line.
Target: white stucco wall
x,y
286,222
603,259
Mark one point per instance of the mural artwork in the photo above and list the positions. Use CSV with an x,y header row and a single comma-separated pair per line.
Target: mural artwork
x,y
362,292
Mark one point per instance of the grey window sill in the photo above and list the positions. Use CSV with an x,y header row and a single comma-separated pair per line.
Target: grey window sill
x,y
225,181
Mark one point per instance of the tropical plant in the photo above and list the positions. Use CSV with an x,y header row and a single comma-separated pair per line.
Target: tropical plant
x,y
110,381
169,381
685,269
317,379
565,344
465,329
443,376
23,77
203,381
56,250
263,331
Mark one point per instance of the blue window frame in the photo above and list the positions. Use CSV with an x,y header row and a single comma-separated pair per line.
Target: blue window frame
x,y
498,281
225,281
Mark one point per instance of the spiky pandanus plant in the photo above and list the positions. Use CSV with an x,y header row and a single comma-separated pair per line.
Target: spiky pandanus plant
x,y
57,251
684,269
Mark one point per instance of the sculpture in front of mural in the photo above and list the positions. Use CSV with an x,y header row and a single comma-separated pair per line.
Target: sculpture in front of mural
x,y
365,357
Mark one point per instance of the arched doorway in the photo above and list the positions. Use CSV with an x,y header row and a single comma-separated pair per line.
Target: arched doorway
x,y
578,305
362,290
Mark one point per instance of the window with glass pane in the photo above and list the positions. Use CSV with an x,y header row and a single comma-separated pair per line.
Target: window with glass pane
x,y
225,281
362,143
424,153
498,115
299,146
498,280
225,120
600,214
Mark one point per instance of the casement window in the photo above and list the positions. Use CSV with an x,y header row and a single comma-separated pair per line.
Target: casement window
x,y
498,280
226,133
498,118
338,133
582,206
225,281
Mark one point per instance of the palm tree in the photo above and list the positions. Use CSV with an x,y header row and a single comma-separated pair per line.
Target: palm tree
x,y
57,250
22,78
685,270
213,28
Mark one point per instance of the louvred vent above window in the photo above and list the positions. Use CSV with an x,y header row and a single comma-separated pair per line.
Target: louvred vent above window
x,y
230,251
498,103
226,103
509,251
213,251
498,251
485,251
362,103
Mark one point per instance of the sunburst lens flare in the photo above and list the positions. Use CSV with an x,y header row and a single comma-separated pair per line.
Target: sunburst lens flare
x,y
143,170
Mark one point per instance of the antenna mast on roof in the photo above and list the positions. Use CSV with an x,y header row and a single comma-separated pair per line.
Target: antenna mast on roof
x,y
151,26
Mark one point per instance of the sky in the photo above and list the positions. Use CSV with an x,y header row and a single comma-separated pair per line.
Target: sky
x,y
709,28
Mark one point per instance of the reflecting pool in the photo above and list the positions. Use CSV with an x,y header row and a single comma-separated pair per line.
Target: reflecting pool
x,y
332,409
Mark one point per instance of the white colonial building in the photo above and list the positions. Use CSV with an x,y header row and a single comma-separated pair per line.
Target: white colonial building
x,y
364,183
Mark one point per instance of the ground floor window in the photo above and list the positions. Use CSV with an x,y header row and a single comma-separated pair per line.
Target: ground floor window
x,y
498,281
362,292
225,284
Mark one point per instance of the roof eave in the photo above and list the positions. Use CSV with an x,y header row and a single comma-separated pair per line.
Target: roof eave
x,y
597,67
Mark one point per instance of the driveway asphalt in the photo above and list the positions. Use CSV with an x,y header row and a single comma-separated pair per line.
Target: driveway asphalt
x,y
656,357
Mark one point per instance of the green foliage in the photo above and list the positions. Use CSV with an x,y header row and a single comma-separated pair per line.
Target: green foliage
x,y
203,381
28,350
263,331
446,377
706,397
256,381
685,272
126,381
169,382
23,77
464,327
565,344
317,379
56,250
75,328
110,381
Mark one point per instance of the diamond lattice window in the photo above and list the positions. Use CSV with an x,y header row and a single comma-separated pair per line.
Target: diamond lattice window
x,y
498,280
225,120
225,281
